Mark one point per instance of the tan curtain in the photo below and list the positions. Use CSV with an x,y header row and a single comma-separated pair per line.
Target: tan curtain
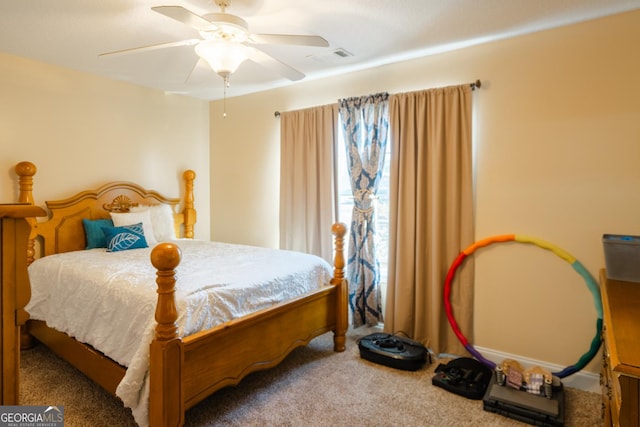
x,y
431,214
308,140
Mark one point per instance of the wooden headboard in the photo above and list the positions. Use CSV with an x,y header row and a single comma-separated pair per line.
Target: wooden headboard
x,y
64,231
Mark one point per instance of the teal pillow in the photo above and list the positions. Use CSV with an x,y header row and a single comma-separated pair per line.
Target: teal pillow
x,y
125,237
93,232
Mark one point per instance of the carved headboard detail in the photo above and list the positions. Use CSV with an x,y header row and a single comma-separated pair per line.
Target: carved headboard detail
x,y
120,204
64,231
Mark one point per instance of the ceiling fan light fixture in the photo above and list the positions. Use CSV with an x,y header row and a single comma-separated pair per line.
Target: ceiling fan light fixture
x,y
223,57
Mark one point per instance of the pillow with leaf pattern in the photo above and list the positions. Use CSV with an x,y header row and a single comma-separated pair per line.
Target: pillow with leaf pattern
x,y
125,237
129,218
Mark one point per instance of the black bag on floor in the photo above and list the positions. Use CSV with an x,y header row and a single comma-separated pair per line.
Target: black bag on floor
x,y
394,351
464,376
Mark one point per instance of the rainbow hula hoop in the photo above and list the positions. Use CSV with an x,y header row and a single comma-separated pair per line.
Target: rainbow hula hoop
x,y
577,266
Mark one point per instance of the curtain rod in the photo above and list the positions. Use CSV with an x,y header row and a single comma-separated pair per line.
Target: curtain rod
x,y
475,85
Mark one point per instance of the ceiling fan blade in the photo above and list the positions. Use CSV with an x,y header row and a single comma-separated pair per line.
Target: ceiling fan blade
x,y
189,42
289,39
185,16
196,64
270,62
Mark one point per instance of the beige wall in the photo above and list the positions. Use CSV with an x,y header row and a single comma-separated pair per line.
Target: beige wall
x,y
82,131
557,134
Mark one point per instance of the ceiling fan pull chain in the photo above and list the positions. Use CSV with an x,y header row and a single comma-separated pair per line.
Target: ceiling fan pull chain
x,y
224,100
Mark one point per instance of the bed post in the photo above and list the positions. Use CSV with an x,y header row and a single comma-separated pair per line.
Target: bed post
x,y
338,280
189,211
166,400
25,172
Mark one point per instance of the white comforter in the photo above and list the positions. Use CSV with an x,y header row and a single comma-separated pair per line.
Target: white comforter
x,y
108,299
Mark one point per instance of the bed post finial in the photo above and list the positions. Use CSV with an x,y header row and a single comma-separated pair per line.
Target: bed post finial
x,y
342,292
339,230
189,211
166,356
25,171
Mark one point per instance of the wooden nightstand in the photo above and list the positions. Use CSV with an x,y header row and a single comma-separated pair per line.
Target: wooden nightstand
x,y
14,292
621,365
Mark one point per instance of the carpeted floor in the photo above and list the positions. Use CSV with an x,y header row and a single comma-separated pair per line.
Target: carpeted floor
x,y
313,387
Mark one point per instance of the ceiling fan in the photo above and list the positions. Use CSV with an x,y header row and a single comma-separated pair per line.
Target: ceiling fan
x,y
226,41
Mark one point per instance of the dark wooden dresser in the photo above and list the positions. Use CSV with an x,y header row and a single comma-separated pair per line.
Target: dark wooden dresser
x,y
621,353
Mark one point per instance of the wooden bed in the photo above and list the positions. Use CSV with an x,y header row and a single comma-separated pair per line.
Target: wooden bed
x,y
183,370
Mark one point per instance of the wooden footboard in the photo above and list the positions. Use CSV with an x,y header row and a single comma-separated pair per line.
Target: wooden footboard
x,y
225,355
185,371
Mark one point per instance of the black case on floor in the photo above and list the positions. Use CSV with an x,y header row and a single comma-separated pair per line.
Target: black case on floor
x,y
526,407
394,351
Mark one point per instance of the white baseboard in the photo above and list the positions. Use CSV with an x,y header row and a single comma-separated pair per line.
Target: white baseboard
x,y
587,381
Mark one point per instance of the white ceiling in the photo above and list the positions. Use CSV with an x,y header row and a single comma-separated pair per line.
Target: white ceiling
x,y
72,33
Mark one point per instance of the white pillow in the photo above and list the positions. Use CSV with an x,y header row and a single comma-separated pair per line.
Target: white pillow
x,y
161,220
129,218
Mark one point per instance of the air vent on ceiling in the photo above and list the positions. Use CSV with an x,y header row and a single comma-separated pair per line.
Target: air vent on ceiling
x,y
335,55
341,53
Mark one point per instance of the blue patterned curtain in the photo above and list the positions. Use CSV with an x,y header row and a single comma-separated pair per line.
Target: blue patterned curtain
x,y
365,126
